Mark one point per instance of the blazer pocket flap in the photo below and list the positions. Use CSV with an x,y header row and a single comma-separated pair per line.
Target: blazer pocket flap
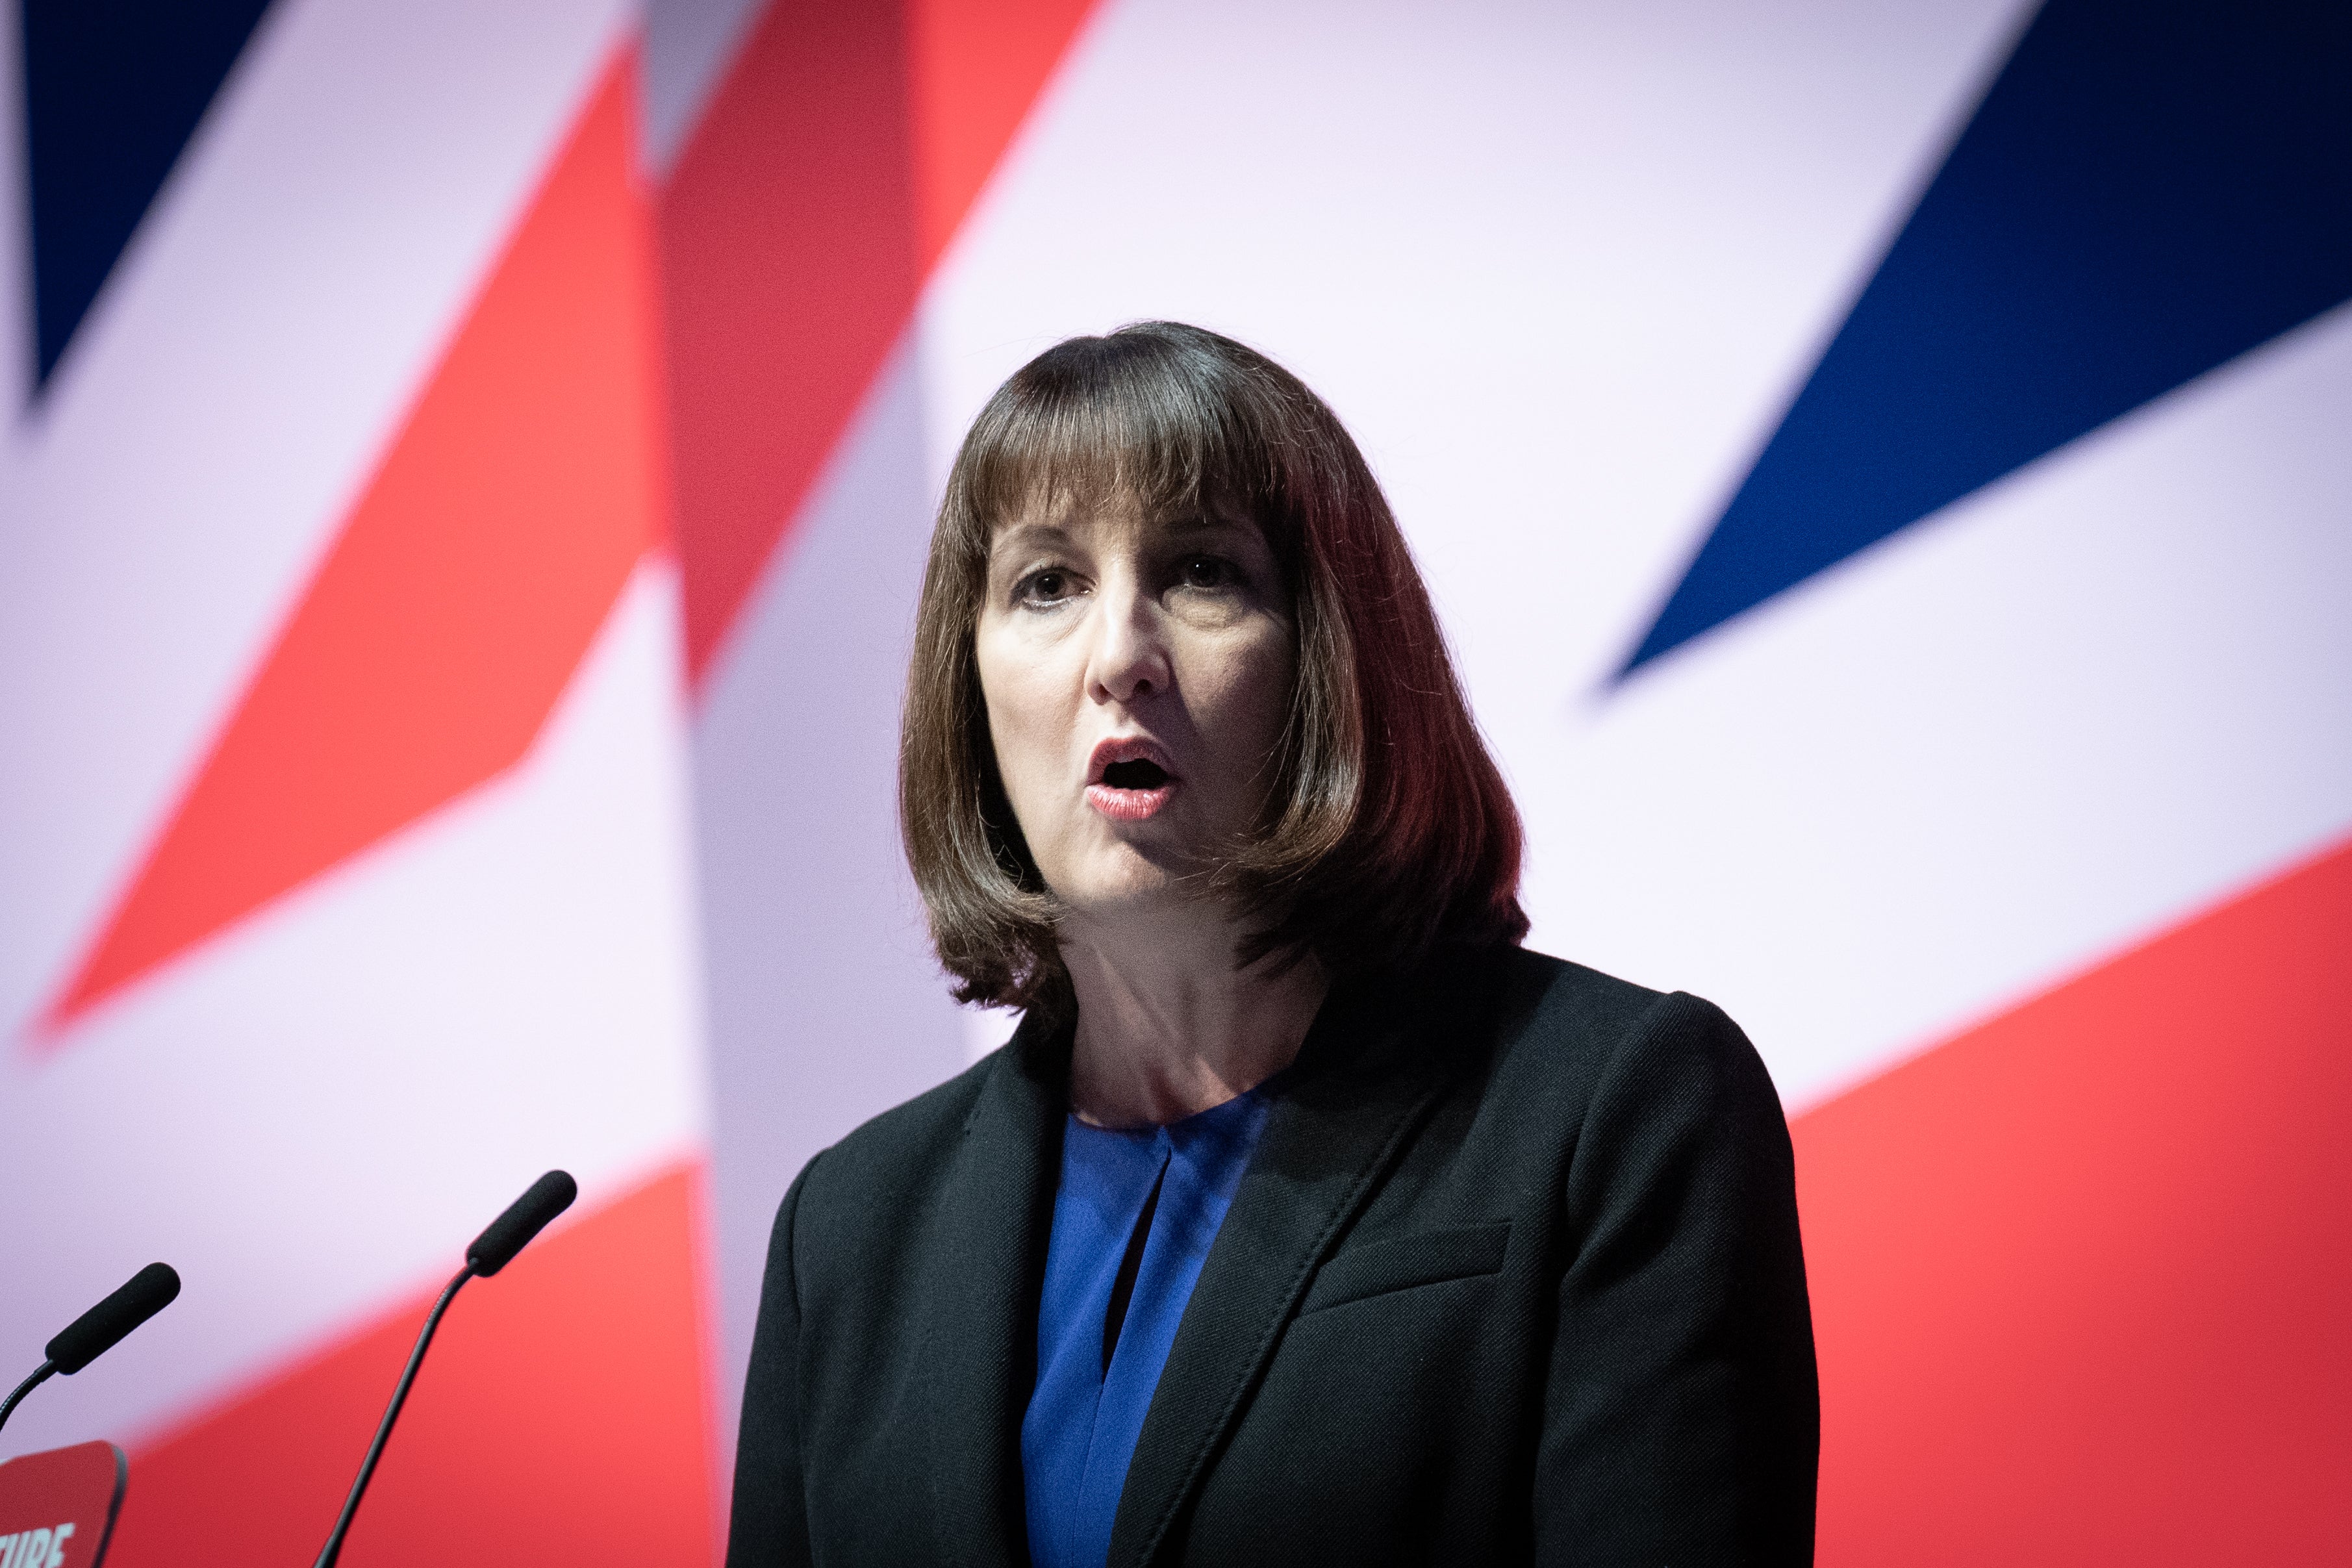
x,y
1429,1258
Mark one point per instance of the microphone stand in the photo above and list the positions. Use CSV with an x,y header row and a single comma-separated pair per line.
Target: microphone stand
x,y
334,1547
493,1250
8,1406
100,1329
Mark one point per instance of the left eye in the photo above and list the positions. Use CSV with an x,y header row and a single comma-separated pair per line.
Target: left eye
x,y
1207,572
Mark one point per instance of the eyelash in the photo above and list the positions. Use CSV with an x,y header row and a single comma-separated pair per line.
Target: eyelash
x,y
1026,589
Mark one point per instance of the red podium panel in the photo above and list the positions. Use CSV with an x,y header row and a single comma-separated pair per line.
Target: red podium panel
x,y
57,1509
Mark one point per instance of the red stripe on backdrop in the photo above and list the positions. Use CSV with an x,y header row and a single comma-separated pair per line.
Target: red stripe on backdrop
x,y
788,269
561,1417
484,553
975,68
834,160
2081,1283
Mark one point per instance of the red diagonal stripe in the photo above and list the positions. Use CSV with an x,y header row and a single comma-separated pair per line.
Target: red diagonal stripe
x,y
834,162
460,596
975,69
2081,1281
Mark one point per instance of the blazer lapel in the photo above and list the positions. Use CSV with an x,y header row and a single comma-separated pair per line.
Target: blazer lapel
x,y
1343,1112
979,1301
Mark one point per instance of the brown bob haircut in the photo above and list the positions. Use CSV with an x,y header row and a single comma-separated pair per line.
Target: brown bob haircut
x,y
1387,829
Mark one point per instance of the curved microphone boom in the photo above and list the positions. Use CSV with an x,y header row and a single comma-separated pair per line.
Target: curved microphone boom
x,y
100,1330
491,1251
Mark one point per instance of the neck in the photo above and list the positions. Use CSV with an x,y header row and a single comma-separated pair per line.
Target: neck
x,y
1168,1026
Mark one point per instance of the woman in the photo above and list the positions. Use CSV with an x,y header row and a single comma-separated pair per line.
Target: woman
x,y
1306,1217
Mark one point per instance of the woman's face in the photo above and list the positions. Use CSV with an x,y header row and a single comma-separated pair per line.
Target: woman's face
x,y
1137,676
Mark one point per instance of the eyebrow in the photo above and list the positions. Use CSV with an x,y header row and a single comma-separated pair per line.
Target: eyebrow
x,y
1026,533
1031,536
1207,522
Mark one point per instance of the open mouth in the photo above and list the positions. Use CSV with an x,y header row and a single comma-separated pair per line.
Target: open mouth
x,y
1141,772
1130,783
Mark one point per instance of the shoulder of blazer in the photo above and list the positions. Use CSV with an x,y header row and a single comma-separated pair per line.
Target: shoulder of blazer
x,y
1565,1010
1547,1045
895,1167
887,1161
1556,1015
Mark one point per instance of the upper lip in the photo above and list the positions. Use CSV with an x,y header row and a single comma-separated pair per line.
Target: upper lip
x,y
1127,748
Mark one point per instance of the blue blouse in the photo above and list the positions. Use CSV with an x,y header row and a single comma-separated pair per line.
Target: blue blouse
x,y
1080,1428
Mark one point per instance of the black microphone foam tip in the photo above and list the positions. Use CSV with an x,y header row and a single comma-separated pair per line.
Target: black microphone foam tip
x,y
101,1327
526,1217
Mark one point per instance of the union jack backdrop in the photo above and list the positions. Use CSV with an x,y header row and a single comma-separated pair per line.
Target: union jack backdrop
x,y
463,483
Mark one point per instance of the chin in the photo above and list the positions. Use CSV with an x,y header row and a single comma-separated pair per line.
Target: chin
x,y
1117,882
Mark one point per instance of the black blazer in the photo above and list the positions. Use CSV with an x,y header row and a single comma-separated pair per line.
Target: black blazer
x,y
1513,1277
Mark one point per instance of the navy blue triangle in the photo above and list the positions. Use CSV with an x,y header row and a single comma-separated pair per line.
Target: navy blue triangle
x,y
113,90
2151,188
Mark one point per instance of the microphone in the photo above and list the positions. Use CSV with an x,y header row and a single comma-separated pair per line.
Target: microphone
x,y
491,1251
525,1217
100,1329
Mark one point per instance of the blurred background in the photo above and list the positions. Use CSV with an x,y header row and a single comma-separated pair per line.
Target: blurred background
x,y
1882,464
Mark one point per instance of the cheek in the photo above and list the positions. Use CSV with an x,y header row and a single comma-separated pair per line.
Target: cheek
x,y
1249,692
1027,713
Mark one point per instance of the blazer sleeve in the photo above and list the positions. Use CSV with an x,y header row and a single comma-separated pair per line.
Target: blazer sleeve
x,y
1682,1418
768,1527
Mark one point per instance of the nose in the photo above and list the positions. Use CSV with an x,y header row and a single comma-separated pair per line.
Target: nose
x,y
1130,658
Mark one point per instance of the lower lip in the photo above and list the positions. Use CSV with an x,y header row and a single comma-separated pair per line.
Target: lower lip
x,y
1129,805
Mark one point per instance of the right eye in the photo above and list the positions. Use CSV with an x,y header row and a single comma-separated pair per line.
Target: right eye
x,y
1047,587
